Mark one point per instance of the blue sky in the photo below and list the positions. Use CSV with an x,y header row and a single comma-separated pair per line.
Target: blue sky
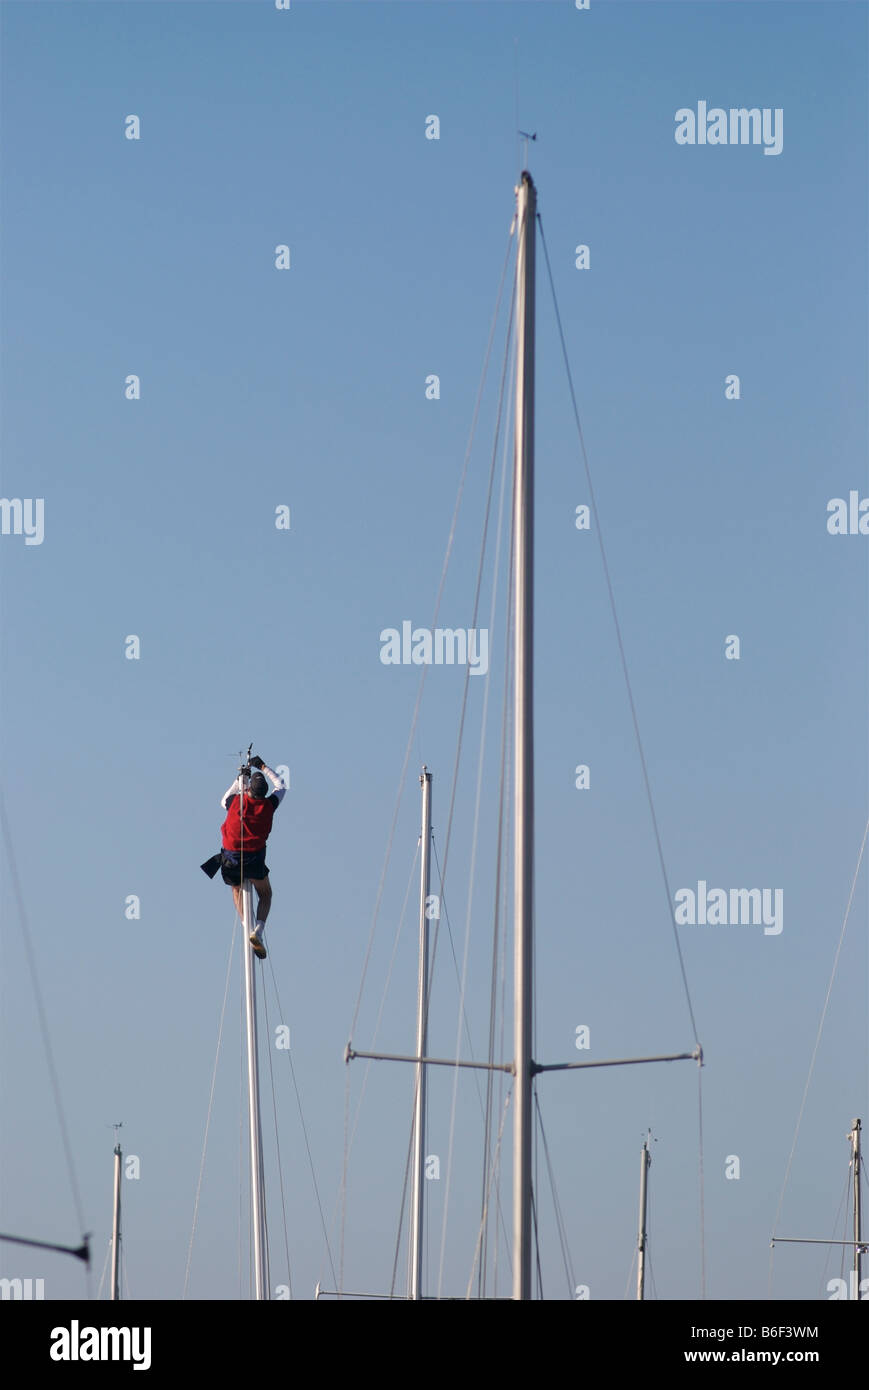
x,y
306,388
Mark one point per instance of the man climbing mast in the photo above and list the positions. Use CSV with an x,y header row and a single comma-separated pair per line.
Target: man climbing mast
x,y
250,810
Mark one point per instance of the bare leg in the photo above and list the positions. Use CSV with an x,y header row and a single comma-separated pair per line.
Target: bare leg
x,y
264,897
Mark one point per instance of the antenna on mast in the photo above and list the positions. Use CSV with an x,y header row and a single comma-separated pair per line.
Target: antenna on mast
x,y
525,134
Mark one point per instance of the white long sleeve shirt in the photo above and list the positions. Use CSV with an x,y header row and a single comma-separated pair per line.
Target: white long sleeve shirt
x,y
278,788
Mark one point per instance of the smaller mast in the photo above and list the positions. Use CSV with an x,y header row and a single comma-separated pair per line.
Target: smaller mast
x,y
116,1223
415,1290
642,1240
854,1136
858,1241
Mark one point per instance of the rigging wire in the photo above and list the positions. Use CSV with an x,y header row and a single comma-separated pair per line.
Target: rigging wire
x,y
348,1138
497,947
462,1008
845,1222
455,959
636,723
277,1141
634,1259
350,1135
491,1180
425,1225
498,953
535,1181
401,1209
830,1248
304,1131
481,758
652,1277
450,539
502,1080
820,1030
105,1267
560,1223
410,1145
43,1020
536,1230
377,1022
210,1105
619,639
410,1142
463,1014
404,1196
478,586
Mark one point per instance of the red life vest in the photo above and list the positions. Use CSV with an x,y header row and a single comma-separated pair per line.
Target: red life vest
x,y
256,822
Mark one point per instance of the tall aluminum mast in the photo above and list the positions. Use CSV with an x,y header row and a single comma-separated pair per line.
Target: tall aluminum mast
x,y
523,733
415,1283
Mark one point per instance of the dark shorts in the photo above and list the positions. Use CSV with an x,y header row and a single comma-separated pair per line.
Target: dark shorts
x,y
255,866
